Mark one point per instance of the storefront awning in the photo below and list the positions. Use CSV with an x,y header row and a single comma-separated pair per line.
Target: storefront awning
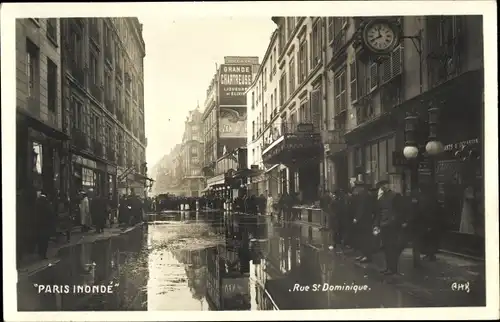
x,y
242,173
272,168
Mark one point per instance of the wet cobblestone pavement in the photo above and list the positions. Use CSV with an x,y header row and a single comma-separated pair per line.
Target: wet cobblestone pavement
x,y
214,261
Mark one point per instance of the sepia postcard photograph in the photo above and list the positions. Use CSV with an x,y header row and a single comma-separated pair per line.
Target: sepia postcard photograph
x,y
188,160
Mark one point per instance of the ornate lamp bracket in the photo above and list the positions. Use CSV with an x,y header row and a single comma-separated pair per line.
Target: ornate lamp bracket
x,y
416,40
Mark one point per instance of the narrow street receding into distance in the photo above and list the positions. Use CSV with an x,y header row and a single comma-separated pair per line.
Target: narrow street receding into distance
x,y
214,261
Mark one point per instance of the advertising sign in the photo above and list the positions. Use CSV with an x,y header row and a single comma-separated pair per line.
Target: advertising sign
x,y
253,60
232,123
233,82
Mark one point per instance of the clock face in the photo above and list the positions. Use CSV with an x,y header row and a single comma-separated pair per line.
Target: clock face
x,y
380,37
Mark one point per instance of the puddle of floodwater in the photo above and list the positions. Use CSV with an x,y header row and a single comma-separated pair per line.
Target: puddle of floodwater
x,y
196,261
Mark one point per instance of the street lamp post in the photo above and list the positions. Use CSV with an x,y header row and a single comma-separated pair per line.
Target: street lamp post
x,y
411,150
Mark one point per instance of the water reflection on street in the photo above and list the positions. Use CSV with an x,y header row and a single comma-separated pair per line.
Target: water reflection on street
x,y
208,261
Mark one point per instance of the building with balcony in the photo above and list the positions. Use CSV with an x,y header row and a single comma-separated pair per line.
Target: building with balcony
x,y
191,154
103,101
164,173
439,63
294,139
225,110
41,141
263,107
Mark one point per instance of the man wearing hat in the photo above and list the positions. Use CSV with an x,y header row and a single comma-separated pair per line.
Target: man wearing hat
x,y
390,221
363,208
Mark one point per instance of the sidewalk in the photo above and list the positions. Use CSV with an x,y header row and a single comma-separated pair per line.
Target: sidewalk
x,y
432,283
32,263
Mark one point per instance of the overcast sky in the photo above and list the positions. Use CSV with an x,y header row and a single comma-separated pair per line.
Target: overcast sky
x,y
181,57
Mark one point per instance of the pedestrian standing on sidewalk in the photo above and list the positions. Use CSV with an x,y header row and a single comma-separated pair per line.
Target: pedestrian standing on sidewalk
x,y
64,212
45,221
363,208
326,203
99,213
269,204
124,211
85,212
430,211
348,233
279,206
390,222
339,211
287,206
262,204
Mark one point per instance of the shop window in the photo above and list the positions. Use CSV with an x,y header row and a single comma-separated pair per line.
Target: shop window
x,y
37,157
88,178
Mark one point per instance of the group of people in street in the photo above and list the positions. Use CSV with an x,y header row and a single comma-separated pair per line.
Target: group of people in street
x,y
372,220
253,204
177,203
45,216
42,216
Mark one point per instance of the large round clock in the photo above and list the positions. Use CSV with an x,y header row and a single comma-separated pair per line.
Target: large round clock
x,y
380,36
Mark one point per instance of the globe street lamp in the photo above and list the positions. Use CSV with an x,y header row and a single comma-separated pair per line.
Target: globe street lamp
x,y
434,146
410,150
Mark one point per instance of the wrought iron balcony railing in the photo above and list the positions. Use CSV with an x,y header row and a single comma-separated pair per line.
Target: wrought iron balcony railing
x,y
280,130
79,139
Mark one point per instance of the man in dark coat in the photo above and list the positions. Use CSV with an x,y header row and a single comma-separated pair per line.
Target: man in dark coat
x,y
124,210
99,213
429,223
390,221
136,209
362,211
286,204
262,201
45,221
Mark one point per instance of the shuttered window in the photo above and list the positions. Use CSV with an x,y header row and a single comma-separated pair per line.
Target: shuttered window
x,y
392,66
316,105
373,76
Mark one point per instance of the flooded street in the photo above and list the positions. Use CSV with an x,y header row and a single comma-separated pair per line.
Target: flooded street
x,y
208,261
